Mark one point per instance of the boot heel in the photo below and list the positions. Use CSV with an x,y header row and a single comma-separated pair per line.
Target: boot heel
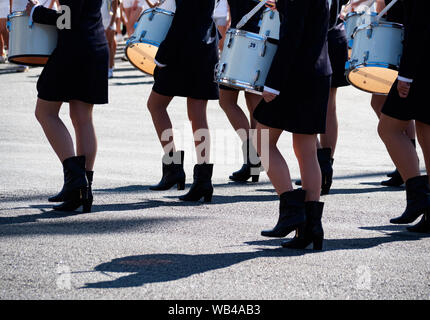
x,y
318,243
255,178
208,198
86,201
87,205
181,185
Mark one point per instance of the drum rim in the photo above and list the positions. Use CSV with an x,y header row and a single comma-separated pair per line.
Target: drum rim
x,y
240,84
131,42
351,14
167,12
372,64
255,36
384,24
17,14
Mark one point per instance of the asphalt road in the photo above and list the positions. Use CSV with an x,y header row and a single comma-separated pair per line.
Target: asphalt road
x,y
139,244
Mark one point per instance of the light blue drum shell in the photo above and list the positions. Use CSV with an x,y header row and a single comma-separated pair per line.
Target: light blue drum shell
x,y
245,61
152,27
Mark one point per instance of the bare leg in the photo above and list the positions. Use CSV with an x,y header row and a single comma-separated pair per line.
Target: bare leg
x,y
55,130
306,152
81,114
197,115
4,36
252,101
273,161
110,36
399,146
237,118
423,134
329,139
157,106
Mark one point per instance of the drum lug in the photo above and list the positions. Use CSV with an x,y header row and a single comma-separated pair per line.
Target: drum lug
x,y
366,56
347,65
230,41
369,33
142,36
257,75
8,25
263,51
272,15
151,16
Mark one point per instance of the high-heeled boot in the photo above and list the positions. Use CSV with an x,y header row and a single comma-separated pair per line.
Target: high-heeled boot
x,y
326,165
202,184
418,200
251,166
173,172
291,214
423,226
60,197
75,190
310,232
395,180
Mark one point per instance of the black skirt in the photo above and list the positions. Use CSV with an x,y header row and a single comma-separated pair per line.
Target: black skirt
x,y
82,76
302,109
192,76
338,54
414,107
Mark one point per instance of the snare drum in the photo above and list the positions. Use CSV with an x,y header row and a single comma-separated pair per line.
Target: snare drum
x,y
151,29
270,24
245,61
30,44
375,58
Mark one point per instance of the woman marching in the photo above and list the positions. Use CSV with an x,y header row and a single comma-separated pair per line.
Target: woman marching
x,y
406,102
76,73
192,37
295,100
229,97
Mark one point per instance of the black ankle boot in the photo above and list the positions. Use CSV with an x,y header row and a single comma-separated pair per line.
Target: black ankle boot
x,y
395,180
326,165
61,196
75,191
310,232
173,172
423,226
291,214
202,184
251,166
418,200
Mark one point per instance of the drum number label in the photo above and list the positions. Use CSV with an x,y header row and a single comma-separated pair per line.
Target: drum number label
x,y
252,45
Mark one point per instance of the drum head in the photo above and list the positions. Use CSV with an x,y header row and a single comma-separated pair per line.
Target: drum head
x,y
141,55
375,80
29,60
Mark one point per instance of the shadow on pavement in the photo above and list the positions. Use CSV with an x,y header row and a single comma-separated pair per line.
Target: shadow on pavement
x,y
156,268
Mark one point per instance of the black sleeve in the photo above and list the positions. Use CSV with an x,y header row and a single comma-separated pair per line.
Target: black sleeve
x,y
45,16
416,30
49,16
293,24
179,27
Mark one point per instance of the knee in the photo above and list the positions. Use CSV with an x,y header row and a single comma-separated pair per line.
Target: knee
x,y
383,131
42,115
79,118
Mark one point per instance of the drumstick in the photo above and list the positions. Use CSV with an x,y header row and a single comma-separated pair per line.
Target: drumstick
x,y
248,16
392,3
